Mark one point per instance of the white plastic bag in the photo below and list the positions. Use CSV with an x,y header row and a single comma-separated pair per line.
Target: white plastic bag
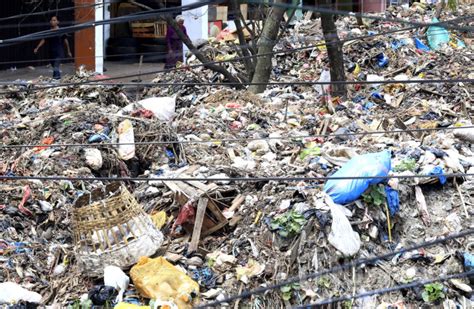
x,y
162,107
116,278
325,77
93,158
342,236
125,131
12,293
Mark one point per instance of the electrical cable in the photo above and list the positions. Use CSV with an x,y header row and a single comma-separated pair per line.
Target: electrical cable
x,y
50,12
290,83
127,18
153,53
54,11
153,13
227,179
219,62
386,290
352,14
230,140
363,261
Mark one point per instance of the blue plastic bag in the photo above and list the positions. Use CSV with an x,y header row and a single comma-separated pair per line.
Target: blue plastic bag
x,y
420,45
438,171
344,191
382,60
437,36
393,201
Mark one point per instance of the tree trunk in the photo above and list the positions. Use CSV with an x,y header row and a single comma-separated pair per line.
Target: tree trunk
x,y
265,44
334,48
185,39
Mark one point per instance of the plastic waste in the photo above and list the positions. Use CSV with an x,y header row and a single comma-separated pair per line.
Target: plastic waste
x,y
100,137
116,278
325,77
465,134
342,236
162,107
12,293
205,277
437,36
438,171
102,294
420,45
382,60
393,200
252,269
158,279
344,191
468,263
93,158
125,131
123,305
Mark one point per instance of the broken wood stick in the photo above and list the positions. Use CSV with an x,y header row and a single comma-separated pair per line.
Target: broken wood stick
x,y
200,213
421,203
462,198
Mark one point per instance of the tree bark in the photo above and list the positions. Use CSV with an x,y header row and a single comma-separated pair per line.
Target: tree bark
x,y
171,22
265,44
334,49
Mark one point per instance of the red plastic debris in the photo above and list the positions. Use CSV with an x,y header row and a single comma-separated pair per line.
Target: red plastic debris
x,y
187,214
26,196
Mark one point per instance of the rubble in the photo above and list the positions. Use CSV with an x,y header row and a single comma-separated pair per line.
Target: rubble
x,y
217,238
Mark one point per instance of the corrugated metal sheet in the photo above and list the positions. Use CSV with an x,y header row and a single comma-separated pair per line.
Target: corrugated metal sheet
x,y
21,55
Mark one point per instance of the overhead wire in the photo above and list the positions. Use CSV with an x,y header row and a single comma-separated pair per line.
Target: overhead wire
x,y
153,14
231,140
350,265
354,14
127,18
54,11
414,284
218,62
237,46
2,19
190,84
237,179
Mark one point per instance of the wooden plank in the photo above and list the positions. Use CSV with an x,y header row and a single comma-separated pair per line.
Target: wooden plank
x,y
200,213
221,220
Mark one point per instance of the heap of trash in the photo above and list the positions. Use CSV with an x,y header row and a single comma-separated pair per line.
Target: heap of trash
x,y
188,195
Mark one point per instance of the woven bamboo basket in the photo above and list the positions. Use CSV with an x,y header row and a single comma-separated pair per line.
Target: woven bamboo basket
x,y
111,228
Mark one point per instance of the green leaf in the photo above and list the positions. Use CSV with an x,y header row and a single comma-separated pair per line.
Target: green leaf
x,y
286,296
425,296
283,233
274,225
285,289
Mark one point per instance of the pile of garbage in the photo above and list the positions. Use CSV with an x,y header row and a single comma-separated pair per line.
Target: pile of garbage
x,y
91,237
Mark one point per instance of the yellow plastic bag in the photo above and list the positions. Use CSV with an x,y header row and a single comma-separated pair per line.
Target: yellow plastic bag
x,y
158,279
130,306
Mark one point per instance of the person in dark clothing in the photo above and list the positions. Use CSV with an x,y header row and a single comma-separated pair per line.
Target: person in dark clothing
x,y
56,47
174,43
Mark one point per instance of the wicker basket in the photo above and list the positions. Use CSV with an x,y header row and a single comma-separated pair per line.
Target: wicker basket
x,y
111,228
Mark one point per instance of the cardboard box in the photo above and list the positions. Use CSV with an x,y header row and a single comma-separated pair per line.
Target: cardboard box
x,y
216,13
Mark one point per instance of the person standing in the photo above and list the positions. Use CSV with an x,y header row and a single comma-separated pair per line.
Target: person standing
x,y
174,44
56,47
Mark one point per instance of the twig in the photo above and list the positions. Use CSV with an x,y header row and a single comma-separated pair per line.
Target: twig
x,y
388,223
462,198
